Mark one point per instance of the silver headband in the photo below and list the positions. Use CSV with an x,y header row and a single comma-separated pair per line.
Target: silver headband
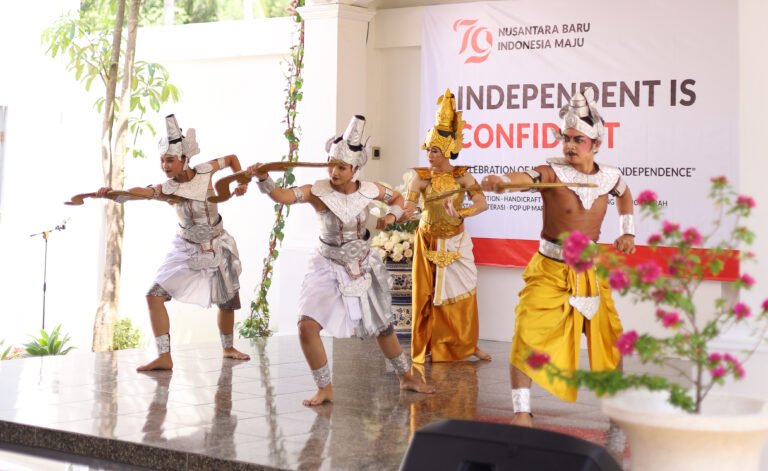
x,y
581,106
349,147
174,143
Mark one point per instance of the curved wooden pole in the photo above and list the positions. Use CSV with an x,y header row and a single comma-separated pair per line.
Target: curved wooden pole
x,y
77,200
223,192
504,186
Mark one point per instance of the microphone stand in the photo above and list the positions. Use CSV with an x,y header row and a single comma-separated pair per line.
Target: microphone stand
x,y
45,235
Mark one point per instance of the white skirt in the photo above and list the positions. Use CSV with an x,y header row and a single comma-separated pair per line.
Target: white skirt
x,y
203,278
346,316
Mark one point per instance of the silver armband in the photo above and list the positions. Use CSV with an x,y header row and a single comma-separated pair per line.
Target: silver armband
x,y
626,224
222,161
122,199
155,191
505,179
297,193
388,193
534,174
619,189
266,186
396,211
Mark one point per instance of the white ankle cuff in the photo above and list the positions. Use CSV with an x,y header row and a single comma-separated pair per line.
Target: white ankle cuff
x,y
521,400
163,343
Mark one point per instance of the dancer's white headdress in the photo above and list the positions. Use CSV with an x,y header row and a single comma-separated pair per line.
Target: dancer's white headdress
x,y
349,147
177,144
582,106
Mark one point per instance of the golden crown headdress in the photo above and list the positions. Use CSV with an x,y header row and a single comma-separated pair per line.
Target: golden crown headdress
x,y
447,133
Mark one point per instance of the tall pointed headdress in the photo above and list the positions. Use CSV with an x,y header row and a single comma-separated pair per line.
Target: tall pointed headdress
x,y
349,147
447,133
177,144
582,106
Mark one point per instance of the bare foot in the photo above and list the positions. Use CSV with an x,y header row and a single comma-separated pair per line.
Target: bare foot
x,y
523,419
409,383
322,395
163,362
481,354
235,354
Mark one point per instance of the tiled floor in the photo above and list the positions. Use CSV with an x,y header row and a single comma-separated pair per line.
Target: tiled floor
x,y
214,413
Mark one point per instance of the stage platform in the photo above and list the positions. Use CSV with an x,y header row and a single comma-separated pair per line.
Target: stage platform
x,y
214,413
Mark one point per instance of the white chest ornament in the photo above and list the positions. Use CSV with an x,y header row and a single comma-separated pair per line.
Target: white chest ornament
x,y
345,207
195,189
606,178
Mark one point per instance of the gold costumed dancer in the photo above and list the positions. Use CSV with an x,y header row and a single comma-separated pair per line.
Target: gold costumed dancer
x,y
557,304
445,319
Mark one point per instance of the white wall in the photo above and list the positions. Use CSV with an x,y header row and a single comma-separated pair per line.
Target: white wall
x,y
232,81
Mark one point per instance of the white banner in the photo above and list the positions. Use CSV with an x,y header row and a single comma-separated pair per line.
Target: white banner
x,y
665,77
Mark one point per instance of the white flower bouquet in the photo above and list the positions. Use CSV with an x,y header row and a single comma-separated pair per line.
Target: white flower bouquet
x,y
395,245
395,242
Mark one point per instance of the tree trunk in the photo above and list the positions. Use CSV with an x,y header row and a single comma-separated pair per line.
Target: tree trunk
x,y
104,323
104,327
168,12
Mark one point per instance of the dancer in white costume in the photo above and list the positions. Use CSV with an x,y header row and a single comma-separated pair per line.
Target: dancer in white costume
x,y
202,266
346,291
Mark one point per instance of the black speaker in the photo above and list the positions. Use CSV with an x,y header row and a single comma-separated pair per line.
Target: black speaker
x,y
465,445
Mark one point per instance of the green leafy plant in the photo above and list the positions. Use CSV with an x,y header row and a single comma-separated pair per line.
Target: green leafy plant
x,y
86,39
257,323
671,289
4,354
48,344
126,336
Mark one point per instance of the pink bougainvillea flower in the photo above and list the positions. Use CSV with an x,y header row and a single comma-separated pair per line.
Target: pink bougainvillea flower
x,y
738,370
692,236
660,295
741,311
573,249
646,197
660,313
715,357
626,342
765,305
721,180
747,279
537,360
675,264
619,280
654,239
746,201
670,319
668,227
648,272
718,372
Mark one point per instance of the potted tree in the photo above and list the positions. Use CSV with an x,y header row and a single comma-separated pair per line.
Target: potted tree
x,y
680,423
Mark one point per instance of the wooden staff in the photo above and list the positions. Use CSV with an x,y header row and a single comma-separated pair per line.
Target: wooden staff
x,y
77,200
505,186
243,177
